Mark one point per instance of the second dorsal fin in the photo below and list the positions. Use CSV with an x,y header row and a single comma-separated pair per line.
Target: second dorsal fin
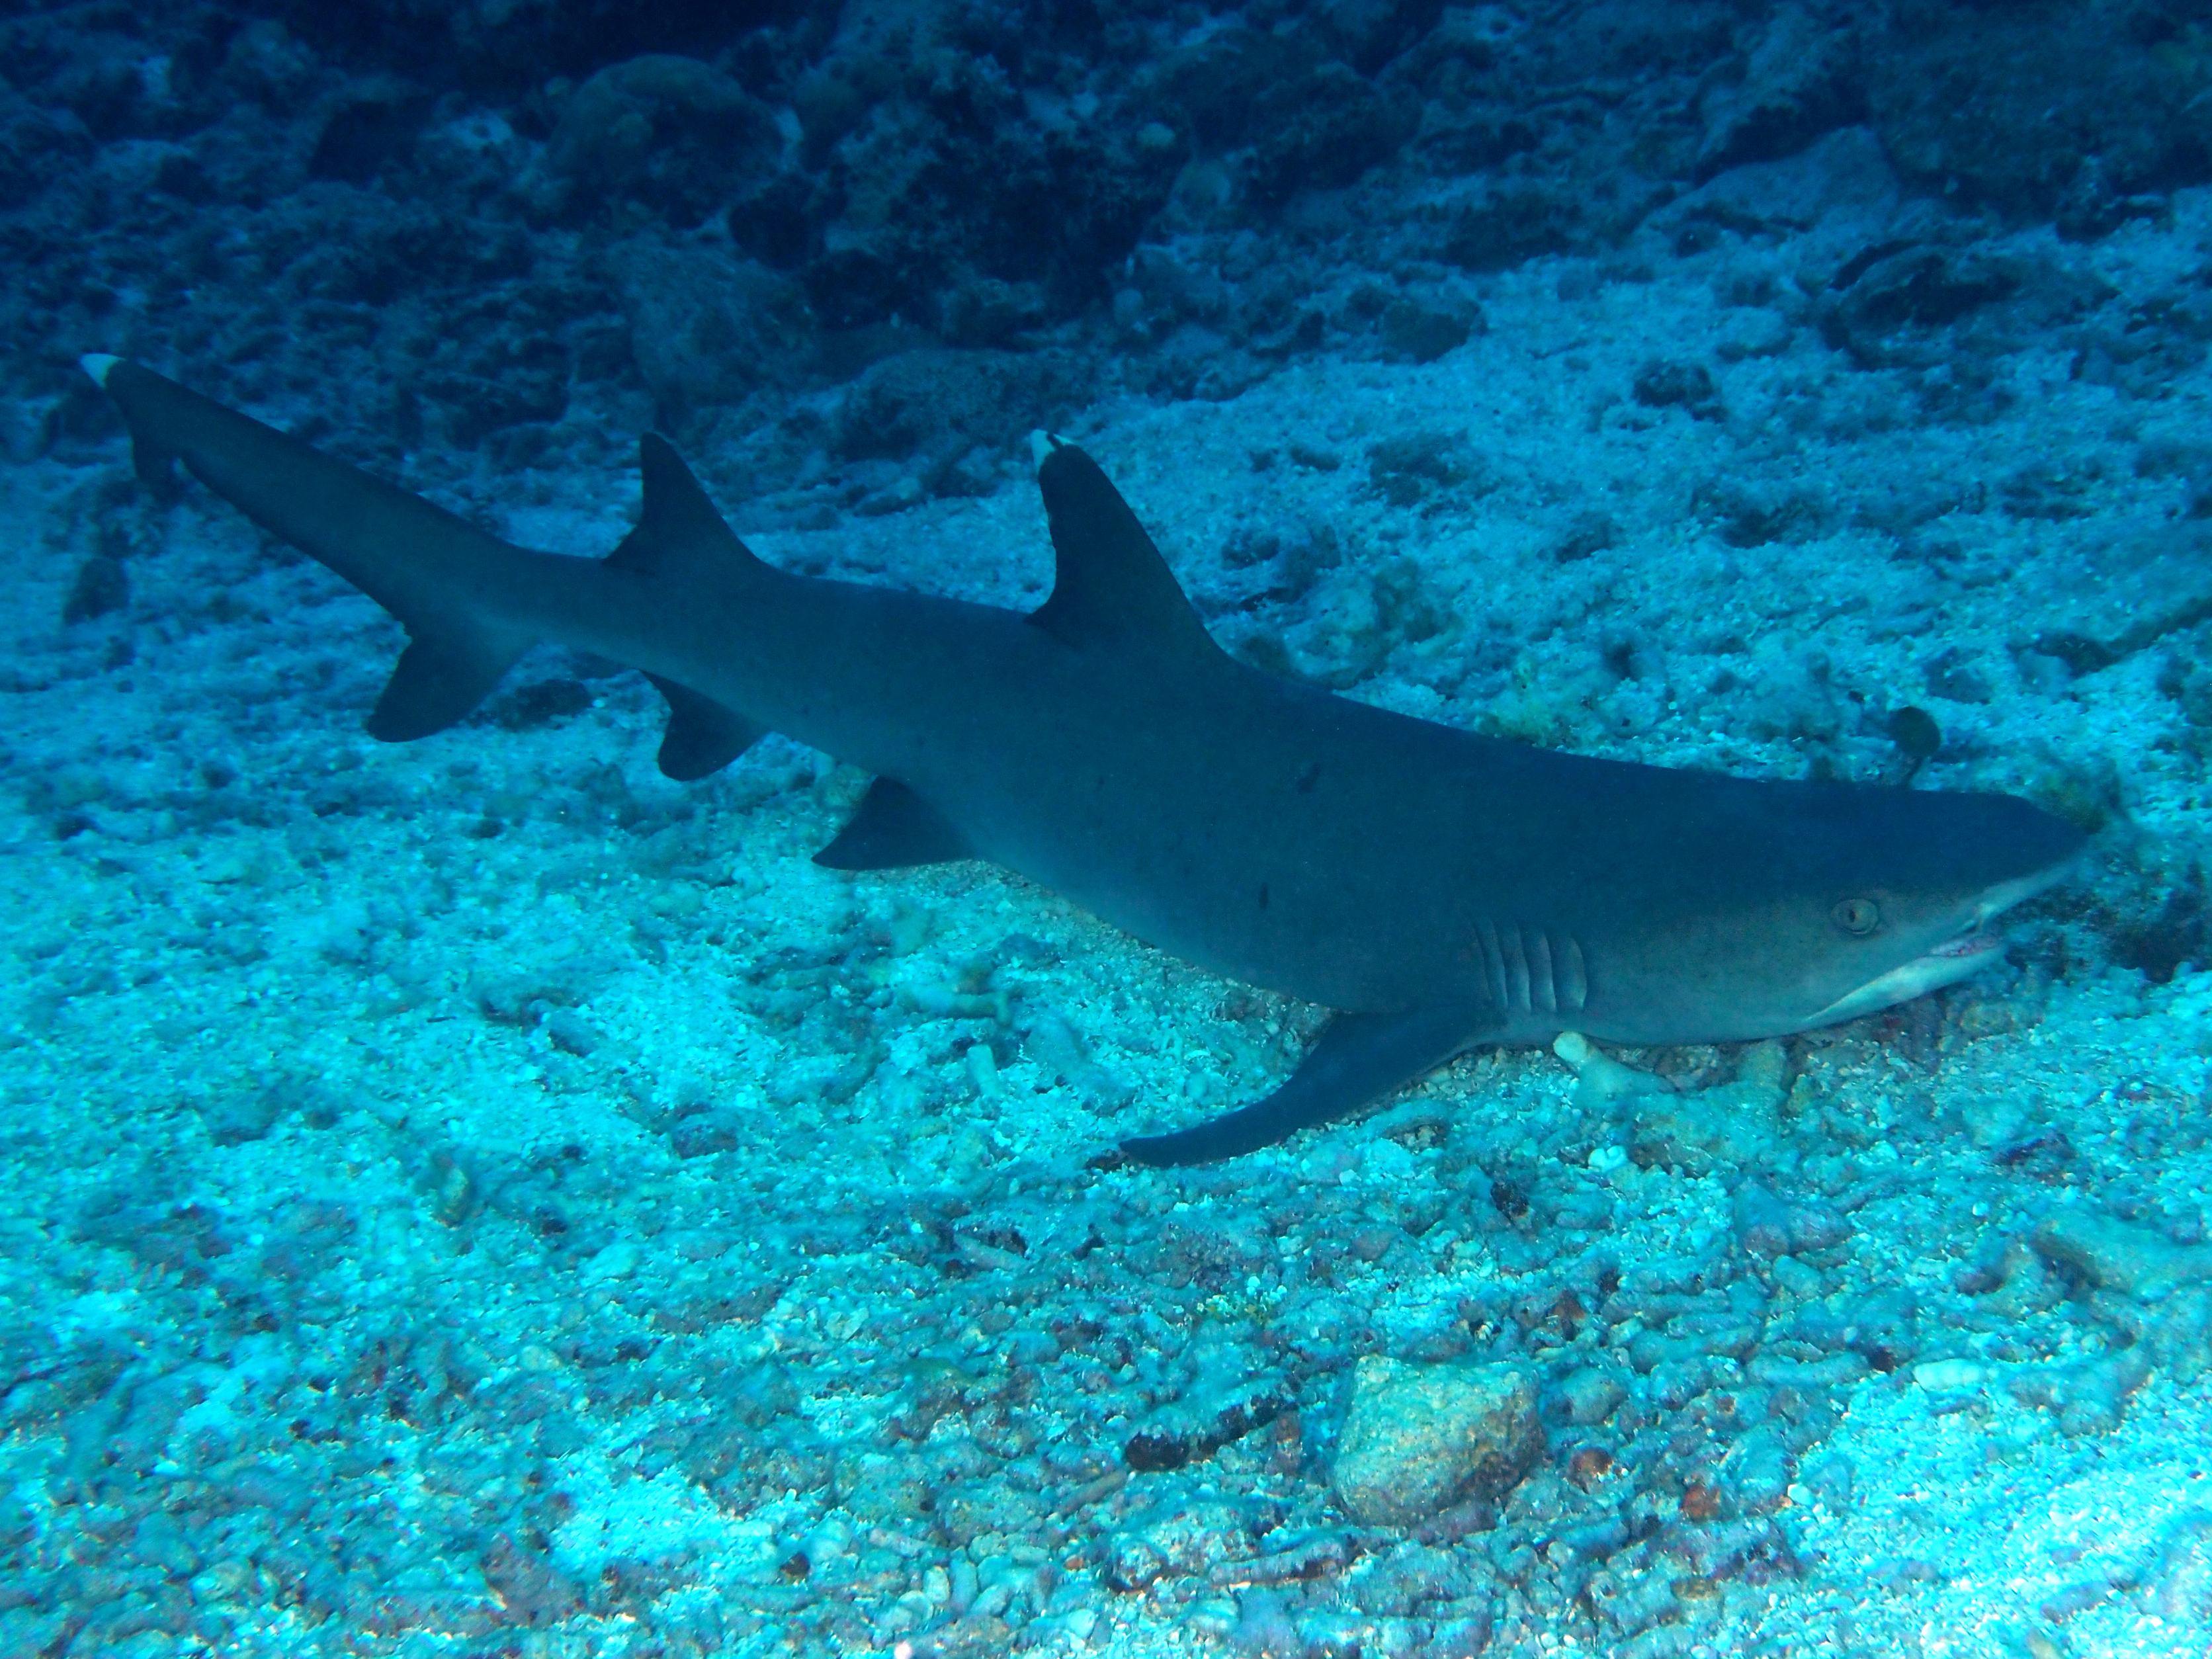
x,y
681,539
1110,586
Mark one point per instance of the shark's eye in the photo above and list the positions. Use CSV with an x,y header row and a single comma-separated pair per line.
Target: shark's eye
x,y
1856,915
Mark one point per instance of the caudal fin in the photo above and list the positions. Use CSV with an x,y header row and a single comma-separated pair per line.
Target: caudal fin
x,y
461,594
440,576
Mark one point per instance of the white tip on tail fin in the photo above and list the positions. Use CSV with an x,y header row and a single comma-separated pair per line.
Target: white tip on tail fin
x,y
98,364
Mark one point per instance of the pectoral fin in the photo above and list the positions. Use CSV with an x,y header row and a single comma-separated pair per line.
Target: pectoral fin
x,y
1359,1058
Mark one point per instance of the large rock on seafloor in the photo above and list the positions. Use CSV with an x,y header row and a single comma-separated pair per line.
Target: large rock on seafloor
x,y
1421,1438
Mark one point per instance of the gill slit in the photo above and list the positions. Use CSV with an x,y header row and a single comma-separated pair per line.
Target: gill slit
x,y
1528,970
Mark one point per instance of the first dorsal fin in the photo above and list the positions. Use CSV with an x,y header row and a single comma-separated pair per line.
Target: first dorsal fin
x,y
1110,586
678,534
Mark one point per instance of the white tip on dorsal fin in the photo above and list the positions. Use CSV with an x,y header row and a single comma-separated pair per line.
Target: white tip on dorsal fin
x,y
1042,444
98,364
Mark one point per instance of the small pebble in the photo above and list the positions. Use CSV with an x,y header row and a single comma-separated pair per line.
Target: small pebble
x,y
1766,1224
617,1261
983,1072
1590,1393
1794,1276
1941,1375
1600,1079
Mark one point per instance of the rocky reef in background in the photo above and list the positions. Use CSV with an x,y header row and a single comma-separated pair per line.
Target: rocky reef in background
x,y
510,228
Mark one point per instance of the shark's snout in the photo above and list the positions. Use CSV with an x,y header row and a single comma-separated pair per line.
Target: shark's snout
x,y
1960,956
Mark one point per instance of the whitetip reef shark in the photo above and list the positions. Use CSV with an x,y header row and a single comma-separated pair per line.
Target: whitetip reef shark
x,y
1438,890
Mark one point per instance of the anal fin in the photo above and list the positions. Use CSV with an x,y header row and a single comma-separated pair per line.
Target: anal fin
x,y
893,829
1359,1058
702,736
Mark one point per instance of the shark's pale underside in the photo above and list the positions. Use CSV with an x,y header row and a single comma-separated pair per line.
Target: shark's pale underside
x,y
1439,890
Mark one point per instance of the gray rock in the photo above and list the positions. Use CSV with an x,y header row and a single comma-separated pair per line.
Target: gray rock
x,y
1421,1438
1768,1224
705,328
1421,331
1704,1336
2024,1284
932,408
2180,1334
1185,1539
1995,1119
656,127
1794,1276
1735,1123
1055,1045
1836,1371
2090,1396
2115,1256
27,428
1759,1470
1588,1395
102,585
1799,81
2010,106
2130,592
237,1116
1830,1482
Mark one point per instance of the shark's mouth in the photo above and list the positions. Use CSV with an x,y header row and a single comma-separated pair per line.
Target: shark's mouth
x,y
1963,955
1976,944
1948,962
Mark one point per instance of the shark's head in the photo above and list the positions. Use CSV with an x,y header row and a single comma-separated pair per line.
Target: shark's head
x,y
1824,903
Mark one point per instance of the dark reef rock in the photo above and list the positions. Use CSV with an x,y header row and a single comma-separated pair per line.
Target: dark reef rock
x,y
490,227
2009,104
